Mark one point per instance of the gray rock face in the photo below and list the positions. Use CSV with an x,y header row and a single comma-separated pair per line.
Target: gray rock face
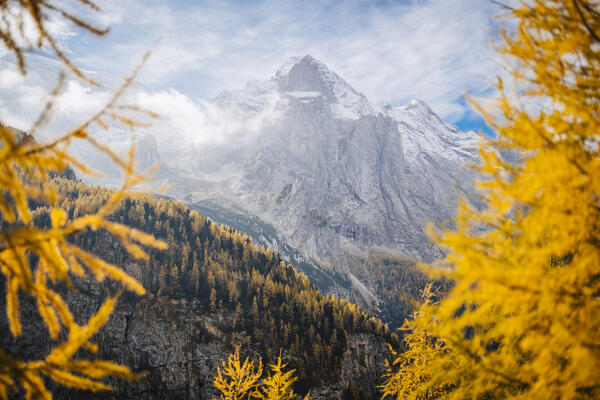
x,y
338,176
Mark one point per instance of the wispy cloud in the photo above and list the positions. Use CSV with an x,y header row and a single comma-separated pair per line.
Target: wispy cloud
x,y
435,50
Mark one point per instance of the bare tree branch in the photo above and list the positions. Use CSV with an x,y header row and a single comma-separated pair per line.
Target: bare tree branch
x,y
584,20
505,6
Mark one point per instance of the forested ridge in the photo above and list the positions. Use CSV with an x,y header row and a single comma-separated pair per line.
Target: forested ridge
x,y
261,301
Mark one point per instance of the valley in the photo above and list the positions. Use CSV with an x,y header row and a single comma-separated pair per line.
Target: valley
x,y
288,200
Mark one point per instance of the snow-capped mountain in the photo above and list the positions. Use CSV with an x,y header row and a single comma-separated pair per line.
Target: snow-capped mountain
x,y
308,165
336,175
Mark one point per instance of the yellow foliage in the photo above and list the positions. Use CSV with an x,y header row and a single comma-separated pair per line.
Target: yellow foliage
x,y
409,376
240,381
236,380
278,385
524,316
25,169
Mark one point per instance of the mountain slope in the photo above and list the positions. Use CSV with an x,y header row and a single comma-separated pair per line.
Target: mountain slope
x,y
337,176
212,290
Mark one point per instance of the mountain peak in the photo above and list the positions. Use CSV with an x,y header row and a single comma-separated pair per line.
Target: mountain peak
x,y
285,69
305,73
417,105
307,76
302,78
415,108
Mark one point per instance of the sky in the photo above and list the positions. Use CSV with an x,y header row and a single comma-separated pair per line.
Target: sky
x,y
434,50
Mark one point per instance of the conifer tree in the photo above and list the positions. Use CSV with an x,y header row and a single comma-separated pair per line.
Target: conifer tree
x,y
195,277
409,376
162,277
523,319
278,385
213,300
236,380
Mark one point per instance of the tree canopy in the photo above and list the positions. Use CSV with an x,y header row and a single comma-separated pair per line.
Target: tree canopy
x,y
523,319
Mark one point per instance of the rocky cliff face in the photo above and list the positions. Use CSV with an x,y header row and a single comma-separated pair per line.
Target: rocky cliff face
x,y
338,176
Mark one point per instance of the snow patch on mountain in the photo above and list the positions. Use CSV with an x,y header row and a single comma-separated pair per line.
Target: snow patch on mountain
x,y
304,94
423,132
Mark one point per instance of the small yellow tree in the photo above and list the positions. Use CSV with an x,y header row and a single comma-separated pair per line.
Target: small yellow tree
x,y
236,380
524,316
241,381
34,259
278,385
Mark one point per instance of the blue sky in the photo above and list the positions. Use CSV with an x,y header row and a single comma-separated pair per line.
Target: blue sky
x,y
433,50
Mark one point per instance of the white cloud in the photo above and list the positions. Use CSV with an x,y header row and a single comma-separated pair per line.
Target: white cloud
x,y
174,108
201,123
10,78
23,98
80,101
32,97
435,50
8,117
